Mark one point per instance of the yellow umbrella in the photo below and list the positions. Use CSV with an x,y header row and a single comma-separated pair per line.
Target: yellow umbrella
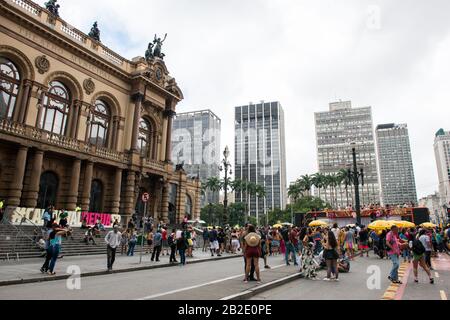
x,y
380,225
278,225
318,223
210,228
428,225
403,224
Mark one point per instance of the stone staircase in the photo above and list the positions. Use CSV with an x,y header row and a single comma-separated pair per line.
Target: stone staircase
x,y
21,245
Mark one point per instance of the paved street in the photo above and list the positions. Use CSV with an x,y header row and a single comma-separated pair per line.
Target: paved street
x,y
353,285
219,279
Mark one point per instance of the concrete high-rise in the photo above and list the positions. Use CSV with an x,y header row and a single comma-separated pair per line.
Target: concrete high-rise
x,y
260,155
442,153
336,130
196,144
397,181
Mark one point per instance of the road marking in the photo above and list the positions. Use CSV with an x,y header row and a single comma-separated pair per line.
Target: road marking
x,y
395,291
436,275
200,285
443,295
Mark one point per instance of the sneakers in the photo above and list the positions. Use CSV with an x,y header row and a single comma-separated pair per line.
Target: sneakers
x,y
266,267
326,279
431,281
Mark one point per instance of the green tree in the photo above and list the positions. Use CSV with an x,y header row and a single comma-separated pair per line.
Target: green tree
x,y
237,214
212,213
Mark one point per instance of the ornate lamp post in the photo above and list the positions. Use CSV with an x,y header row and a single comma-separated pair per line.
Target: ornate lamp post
x,y
226,166
356,176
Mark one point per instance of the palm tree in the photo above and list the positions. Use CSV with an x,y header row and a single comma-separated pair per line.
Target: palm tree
x,y
295,190
346,180
318,181
307,183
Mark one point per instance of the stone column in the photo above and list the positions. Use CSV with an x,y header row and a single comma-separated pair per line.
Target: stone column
x,y
117,188
165,202
78,106
72,197
138,98
116,134
169,114
24,103
129,196
15,191
73,119
31,195
86,195
40,109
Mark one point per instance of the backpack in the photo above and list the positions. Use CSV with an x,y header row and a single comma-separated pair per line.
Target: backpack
x,y
418,247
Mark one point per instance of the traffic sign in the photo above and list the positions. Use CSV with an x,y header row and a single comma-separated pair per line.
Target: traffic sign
x,y
145,197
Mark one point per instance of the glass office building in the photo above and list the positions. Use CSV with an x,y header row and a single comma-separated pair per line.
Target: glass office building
x,y
397,181
196,144
260,155
336,130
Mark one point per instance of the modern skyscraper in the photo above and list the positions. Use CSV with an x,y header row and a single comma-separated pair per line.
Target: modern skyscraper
x,y
196,144
395,162
442,153
336,130
260,154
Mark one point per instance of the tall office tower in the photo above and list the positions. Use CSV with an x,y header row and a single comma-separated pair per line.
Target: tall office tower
x,y
442,153
336,131
395,162
196,144
260,155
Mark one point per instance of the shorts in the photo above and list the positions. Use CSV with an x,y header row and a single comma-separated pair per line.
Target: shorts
x,y
418,257
149,242
165,243
235,243
349,245
252,252
214,245
363,245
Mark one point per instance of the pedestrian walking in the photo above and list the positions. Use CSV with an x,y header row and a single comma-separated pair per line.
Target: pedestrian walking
x,y
290,250
113,240
317,241
149,240
393,244
157,245
172,242
235,245
406,253
252,250
55,243
165,243
264,247
132,243
363,240
419,250
331,256
424,237
124,242
182,246
205,240
48,249
214,243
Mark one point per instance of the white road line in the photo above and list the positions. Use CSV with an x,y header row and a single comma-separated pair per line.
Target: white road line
x,y
436,275
443,295
199,285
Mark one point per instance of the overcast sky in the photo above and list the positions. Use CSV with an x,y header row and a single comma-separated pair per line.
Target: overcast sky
x,y
392,55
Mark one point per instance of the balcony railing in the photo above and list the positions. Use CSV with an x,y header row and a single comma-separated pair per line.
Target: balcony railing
x,y
62,27
39,135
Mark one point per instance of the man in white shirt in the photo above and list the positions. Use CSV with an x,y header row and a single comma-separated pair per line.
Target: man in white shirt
x,y
112,239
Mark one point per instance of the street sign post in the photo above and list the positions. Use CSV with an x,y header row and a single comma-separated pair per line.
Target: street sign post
x,y
145,199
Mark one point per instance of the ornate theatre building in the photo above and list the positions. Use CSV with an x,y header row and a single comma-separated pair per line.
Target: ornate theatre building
x,y
83,127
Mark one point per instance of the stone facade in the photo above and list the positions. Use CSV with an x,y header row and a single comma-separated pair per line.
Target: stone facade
x,y
82,120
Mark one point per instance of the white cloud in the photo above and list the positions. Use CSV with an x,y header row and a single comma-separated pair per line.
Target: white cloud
x,y
303,53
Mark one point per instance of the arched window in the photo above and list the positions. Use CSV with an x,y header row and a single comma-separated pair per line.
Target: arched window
x,y
188,208
96,200
56,108
9,88
48,188
100,119
144,137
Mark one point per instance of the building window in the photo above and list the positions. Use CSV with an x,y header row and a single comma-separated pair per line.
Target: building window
x,y
96,200
145,132
56,108
9,88
188,207
100,119
48,187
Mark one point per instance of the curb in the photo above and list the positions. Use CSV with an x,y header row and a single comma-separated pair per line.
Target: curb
x,y
265,287
5,283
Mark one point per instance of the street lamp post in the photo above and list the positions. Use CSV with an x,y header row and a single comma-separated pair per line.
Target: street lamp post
x,y
227,168
356,176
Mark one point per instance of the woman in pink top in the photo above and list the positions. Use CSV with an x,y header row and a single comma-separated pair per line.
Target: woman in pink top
x,y
393,243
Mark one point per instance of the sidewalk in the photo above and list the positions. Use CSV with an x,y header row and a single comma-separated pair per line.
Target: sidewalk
x,y
28,271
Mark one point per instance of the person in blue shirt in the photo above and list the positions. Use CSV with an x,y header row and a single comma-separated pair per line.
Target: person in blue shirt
x,y
157,245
